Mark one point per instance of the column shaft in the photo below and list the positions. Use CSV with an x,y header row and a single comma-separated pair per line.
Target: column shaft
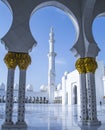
x,y
9,96
90,66
90,81
83,98
21,98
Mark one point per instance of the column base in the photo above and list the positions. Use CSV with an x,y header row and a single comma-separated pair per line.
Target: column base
x,y
89,123
81,123
8,125
21,125
94,123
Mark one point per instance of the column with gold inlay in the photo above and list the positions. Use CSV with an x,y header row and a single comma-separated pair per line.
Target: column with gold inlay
x,y
23,62
11,63
83,91
90,66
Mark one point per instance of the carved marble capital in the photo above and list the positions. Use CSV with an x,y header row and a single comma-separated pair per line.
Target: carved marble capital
x,y
86,65
13,59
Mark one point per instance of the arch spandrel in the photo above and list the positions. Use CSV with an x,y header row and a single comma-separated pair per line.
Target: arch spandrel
x,y
99,8
91,48
19,37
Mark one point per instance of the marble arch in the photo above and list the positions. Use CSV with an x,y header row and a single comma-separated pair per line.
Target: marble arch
x,y
64,8
19,42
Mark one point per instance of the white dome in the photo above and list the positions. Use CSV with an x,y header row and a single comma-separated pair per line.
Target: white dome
x,y
16,86
43,88
29,87
2,86
59,87
65,73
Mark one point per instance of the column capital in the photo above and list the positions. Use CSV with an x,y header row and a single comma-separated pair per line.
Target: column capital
x,y
10,60
80,66
90,64
24,60
86,65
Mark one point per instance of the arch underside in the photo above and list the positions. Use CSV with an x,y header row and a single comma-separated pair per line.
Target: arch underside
x,y
82,14
19,37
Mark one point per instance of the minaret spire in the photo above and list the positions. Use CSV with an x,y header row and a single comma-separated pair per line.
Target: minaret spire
x,y
51,69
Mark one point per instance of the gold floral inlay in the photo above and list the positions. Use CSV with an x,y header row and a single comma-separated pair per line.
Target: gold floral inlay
x,y
13,59
90,64
24,60
86,65
10,60
80,66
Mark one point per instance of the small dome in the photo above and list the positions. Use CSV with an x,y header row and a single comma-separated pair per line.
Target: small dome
x,y
59,87
2,86
16,86
29,87
43,88
65,73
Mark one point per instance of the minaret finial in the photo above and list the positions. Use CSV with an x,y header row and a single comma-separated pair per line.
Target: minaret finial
x,y
51,29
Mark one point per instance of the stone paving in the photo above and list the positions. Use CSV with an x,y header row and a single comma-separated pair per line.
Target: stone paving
x,y
53,117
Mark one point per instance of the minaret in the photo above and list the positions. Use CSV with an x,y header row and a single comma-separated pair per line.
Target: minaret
x,y
51,67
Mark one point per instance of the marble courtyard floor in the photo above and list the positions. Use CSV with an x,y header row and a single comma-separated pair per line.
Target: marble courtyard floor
x,y
53,117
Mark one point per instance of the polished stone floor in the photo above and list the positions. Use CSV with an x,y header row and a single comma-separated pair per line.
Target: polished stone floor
x,y
53,117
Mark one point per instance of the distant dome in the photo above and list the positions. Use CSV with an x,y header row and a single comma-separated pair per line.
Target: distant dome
x,y
2,86
29,87
16,86
66,73
59,87
43,88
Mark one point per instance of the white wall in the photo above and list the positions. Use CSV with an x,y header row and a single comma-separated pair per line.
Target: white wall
x,y
73,79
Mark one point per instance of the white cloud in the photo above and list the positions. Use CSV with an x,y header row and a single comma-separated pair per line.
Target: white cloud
x,y
60,61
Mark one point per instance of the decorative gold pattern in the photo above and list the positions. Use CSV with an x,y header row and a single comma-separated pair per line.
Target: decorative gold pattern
x,y
13,59
90,64
80,66
86,65
24,61
10,60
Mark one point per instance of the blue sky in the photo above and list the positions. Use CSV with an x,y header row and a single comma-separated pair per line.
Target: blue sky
x,y
65,35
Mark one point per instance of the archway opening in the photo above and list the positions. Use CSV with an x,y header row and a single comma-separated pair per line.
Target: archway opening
x,y
74,95
5,23
99,35
65,35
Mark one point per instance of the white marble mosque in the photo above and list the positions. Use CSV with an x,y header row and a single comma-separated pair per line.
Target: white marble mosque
x,y
84,87
66,92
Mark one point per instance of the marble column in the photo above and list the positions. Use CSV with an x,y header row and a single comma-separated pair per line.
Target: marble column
x,y
24,61
21,99
10,61
83,91
90,66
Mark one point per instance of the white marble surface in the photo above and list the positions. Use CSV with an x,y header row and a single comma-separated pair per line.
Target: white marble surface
x,y
53,117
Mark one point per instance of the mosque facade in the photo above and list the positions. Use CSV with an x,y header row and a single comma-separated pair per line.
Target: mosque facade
x,y
66,92
85,85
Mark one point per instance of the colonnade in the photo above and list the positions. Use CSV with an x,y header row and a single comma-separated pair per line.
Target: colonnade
x,y
22,60
86,68
83,14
